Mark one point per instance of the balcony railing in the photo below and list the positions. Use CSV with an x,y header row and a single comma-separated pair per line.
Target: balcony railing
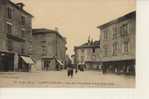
x,y
11,36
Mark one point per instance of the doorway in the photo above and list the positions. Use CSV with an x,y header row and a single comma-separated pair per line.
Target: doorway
x,y
6,62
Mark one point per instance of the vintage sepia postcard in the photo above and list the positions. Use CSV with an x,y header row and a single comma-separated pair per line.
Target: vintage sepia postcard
x,y
67,43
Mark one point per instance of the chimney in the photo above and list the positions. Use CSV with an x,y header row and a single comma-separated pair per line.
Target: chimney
x,y
20,5
92,41
89,41
56,29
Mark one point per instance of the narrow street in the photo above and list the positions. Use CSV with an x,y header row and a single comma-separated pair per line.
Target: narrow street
x,y
59,79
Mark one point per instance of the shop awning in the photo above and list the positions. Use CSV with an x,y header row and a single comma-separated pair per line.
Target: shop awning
x,y
27,60
112,59
60,62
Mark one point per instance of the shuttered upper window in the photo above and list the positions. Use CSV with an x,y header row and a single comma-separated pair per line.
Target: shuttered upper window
x,y
9,12
22,20
9,28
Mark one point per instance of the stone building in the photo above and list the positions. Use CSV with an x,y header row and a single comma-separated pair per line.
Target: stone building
x,y
88,55
118,44
48,49
15,37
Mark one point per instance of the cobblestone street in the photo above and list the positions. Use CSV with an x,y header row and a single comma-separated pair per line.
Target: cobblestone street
x,y
59,79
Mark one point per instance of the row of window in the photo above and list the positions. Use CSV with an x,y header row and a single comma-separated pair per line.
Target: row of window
x,y
116,47
93,50
10,15
124,29
9,30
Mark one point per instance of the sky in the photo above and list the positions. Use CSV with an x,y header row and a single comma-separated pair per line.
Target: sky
x,y
76,19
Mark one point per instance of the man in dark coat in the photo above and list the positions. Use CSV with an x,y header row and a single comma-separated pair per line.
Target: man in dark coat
x,y
70,69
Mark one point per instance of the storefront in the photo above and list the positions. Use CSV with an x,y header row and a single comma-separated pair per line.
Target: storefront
x,y
93,65
46,64
6,61
51,64
25,64
120,67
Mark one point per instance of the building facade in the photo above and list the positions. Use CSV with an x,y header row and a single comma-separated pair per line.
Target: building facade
x,y
48,49
15,36
88,55
118,44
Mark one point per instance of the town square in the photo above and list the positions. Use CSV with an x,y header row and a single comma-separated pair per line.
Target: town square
x,y
70,45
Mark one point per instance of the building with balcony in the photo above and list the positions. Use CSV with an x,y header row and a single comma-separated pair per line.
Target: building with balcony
x,y
118,44
15,37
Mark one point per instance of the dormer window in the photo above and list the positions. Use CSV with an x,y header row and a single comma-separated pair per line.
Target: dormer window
x,y
20,5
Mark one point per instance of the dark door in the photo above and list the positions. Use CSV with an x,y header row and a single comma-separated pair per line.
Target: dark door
x,y
6,62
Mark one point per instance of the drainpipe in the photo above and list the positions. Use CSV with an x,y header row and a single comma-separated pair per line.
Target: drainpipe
x,y
56,47
56,52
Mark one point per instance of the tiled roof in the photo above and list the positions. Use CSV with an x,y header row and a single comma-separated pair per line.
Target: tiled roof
x,y
44,30
126,16
95,44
